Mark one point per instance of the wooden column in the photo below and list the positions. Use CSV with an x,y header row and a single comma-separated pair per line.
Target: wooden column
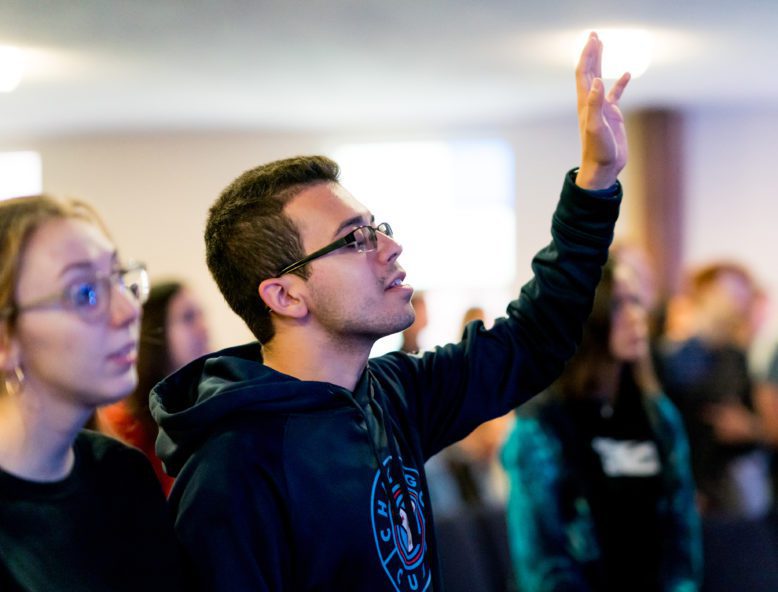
x,y
653,201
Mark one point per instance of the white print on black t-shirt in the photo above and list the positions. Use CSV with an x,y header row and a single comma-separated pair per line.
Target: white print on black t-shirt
x,y
627,458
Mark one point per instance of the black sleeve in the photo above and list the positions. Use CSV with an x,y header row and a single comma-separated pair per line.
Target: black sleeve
x,y
453,389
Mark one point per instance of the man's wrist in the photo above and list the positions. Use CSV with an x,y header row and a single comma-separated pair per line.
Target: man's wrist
x,y
601,188
596,178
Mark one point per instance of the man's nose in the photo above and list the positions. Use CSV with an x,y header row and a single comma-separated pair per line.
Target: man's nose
x,y
388,248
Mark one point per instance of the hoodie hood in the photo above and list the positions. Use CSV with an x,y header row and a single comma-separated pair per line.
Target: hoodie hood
x,y
189,403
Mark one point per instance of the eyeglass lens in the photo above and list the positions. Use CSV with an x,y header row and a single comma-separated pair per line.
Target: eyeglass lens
x,y
92,298
365,239
365,236
136,281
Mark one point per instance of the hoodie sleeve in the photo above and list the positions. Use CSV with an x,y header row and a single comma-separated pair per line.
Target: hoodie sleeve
x,y
453,389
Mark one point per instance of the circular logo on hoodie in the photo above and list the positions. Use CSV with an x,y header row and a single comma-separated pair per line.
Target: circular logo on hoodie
x,y
399,528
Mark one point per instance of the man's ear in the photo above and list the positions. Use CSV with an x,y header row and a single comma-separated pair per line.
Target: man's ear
x,y
283,297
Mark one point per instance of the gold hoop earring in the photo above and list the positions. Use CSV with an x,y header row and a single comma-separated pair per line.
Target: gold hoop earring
x,y
14,387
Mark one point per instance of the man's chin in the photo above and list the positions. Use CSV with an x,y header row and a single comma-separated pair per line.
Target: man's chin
x,y
408,321
399,325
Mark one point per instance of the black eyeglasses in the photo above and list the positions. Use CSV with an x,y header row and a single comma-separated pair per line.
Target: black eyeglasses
x,y
362,239
90,298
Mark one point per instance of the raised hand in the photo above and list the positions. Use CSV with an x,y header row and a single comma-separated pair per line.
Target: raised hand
x,y
601,124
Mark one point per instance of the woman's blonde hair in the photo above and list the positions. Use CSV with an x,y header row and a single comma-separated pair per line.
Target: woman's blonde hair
x,y
19,219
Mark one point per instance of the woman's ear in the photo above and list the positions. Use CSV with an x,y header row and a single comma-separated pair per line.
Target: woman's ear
x,y
9,349
283,297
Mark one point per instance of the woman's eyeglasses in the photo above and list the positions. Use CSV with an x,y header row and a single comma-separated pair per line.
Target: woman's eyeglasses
x,y
90,297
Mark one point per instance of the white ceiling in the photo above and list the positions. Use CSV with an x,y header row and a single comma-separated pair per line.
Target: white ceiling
x,y
126,65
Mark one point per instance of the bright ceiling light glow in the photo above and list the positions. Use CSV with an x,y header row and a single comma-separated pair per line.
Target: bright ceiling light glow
x,y
624,50
11,67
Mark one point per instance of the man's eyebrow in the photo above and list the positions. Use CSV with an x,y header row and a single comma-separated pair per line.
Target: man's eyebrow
x,y
360,220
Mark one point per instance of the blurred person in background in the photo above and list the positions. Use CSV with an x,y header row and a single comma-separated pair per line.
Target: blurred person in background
x,y
703,365
173,333
641,262
767,404
410,337
468,475
474,313
601,493
78,510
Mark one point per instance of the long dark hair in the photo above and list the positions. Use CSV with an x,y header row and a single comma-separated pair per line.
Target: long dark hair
x,y
583,374
154,361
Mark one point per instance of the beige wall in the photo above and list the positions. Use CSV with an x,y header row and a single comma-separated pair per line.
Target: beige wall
x,y
155,190
731,198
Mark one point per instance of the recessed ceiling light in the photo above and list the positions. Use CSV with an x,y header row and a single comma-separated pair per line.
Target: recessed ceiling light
x,y
624,50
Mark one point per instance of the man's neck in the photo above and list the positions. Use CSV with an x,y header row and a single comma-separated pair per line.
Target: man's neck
x,y
321,359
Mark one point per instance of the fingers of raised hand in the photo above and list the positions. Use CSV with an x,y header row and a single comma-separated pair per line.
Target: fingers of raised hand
x,y
614,94
592,105
596,94
589,64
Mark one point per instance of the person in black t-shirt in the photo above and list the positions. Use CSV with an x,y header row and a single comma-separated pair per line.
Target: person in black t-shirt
x,y
601,494
78,510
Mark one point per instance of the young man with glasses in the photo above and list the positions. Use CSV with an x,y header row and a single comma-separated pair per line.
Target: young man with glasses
x,y
299,462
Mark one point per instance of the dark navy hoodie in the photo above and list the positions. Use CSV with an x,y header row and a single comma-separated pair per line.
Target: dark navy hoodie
x,y
285,484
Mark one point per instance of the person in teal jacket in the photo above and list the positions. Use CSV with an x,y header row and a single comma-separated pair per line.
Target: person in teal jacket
x,y
601,492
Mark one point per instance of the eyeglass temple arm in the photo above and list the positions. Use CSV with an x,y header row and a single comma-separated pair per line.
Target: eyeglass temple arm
x,y
315,255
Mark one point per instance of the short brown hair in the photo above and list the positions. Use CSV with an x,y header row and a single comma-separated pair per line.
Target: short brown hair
x,y
249,238
703,277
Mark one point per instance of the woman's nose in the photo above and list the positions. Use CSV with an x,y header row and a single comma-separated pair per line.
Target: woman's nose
x,y
124,306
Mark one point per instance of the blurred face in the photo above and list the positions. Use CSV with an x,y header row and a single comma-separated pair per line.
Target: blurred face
x,y
726,307
187,331
350,294
629,325
84,363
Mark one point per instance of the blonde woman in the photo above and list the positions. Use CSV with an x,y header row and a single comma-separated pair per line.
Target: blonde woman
x,y
78,510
